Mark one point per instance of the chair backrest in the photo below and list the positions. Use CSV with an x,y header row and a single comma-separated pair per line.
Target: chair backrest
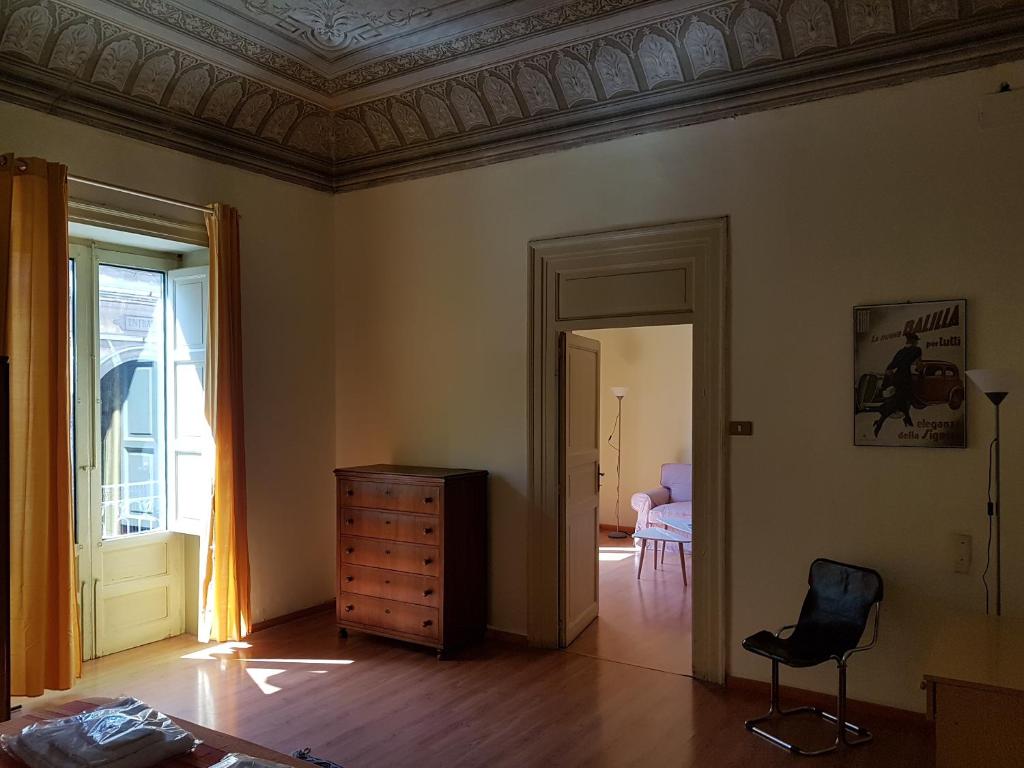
x,y
841,595
678,478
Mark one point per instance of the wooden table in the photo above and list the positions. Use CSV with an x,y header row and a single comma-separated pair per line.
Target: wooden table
x,y
662,535
974,678
214,743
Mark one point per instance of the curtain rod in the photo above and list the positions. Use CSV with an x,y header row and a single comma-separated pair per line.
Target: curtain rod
x,y
136,193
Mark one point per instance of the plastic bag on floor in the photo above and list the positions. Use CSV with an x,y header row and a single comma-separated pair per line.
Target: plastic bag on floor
x,y
123,734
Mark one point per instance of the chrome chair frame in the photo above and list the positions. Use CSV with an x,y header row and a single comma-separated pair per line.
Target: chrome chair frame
x,y
843,727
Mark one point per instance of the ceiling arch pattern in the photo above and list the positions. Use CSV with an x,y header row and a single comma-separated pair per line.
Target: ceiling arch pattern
x,y
719,58
678,53
110,57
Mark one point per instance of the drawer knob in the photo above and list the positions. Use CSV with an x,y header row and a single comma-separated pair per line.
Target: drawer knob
x,y
387,522
428,592
350,521
428,560
427,531
349,608
350,492
350,578
387,492
429,500
349,550
427,622
387,611
387,551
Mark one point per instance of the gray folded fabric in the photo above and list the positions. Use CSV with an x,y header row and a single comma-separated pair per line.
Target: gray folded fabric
x,y
124,734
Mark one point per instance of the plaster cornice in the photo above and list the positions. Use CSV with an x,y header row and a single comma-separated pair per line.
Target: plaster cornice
x,y
723,59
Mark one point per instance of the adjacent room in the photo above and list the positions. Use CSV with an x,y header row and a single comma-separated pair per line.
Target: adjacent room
x,y
645,412
526,383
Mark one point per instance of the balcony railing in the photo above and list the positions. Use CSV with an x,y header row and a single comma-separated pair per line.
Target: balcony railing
x,y
128,508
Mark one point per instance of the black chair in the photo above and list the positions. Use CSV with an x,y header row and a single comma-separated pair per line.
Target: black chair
x,y
832,621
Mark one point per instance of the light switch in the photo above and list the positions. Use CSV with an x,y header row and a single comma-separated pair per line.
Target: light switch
x,y
742,428
962,552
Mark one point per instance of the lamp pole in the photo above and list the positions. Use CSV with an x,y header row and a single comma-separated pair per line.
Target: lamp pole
x,y
999,502
619,392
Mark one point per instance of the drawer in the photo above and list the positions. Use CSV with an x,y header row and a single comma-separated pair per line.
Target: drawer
x,y
388,614
395,496
391,585
393,555
376,524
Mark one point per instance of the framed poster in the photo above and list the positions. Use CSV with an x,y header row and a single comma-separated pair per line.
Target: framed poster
x,y
909,363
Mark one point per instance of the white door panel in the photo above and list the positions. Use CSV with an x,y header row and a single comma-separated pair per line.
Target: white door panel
x,y
130,565
580,422
138,591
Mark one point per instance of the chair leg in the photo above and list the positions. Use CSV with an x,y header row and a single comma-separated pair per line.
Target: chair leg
x,y
843,728
643,551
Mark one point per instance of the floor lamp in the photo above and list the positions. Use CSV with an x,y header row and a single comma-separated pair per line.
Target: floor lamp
x,y
619,392
996,384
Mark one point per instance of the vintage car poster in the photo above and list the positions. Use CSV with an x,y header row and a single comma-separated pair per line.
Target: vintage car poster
x,y
909,364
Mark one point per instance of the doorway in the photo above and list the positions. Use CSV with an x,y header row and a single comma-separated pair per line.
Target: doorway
x,y
141,446
644,409
661,275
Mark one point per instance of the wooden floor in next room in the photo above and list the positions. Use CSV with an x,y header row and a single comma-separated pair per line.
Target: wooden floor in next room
x,y
367,702
644,622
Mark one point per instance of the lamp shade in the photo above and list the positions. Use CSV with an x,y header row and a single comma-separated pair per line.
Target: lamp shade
x,y
620,391
990,380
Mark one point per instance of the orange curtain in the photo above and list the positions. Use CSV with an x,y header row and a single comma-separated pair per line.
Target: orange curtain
x,y
226,608
45,644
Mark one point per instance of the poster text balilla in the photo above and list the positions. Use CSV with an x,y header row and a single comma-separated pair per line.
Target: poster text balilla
x,y
909,374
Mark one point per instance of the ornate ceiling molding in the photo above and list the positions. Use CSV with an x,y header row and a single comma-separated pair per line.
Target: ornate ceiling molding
x,y
202,28
722,59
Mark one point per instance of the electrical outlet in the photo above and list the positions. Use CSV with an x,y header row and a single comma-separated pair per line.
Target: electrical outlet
x,y
962,553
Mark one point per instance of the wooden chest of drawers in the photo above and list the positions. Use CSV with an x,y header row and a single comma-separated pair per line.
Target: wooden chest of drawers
x,y
412,553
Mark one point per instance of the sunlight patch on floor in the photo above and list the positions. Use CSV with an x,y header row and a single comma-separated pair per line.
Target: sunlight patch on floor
x,y
324,662
615,556
210,653
260,677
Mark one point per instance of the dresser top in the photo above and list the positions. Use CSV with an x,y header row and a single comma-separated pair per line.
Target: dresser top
x,y
406,471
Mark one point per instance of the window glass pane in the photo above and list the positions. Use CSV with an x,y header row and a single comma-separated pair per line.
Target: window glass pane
x,y
131,352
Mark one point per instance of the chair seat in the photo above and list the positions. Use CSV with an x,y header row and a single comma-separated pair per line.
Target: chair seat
x,y
808,646
677,514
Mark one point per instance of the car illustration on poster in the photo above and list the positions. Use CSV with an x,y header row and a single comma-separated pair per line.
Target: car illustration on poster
x,y
936,382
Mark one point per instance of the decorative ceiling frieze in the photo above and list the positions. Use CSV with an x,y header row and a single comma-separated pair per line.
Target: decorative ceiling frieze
x,y
707,61
325,25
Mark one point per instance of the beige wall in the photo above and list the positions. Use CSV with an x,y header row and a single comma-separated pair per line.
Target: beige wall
x,y
656,363
288,326
884,196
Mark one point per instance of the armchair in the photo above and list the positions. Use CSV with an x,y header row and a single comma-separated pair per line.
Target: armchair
x,y
670,504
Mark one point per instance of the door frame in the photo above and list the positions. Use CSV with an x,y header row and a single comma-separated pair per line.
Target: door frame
x,y
88,255
575,285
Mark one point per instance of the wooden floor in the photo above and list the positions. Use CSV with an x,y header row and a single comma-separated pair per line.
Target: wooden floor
x,y
372,703
643,622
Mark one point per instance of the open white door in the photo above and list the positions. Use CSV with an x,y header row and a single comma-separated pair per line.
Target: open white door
x,y
189,442
579,487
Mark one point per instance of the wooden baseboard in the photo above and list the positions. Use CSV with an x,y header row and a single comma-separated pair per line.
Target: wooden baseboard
x,y
501,636
799,696
610,527
259,626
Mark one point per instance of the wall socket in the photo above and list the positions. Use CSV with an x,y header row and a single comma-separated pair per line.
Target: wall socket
x,y
962,547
